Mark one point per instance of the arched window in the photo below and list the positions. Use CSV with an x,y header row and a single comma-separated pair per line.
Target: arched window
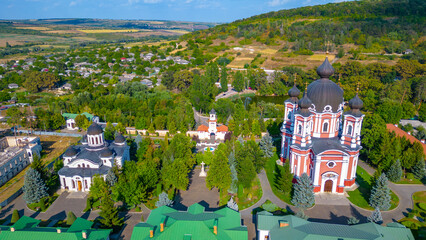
x,y
85,183
83,165
325,127
97,140
349,129
78,165
299,131
73,184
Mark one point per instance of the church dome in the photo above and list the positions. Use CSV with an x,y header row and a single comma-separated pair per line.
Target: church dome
x,y
94,129
356,103
305,102
119,138
70,152
324,92
106,153
294,91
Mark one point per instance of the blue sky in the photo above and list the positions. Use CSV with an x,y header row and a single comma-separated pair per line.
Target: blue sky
x,y
183,10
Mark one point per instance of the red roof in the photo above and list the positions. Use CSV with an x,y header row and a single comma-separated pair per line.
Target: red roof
x,y
203,128
222,128
402,133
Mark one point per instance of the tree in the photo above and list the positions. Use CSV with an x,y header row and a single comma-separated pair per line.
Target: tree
x,y
419,169
375,217
38,165
245,168
219,174
353,221
395,171
232,204
34,187
163,200
182,79
234,175
238,82
267,146
283,178
380,194
15,216
70,218
110,178
82,122
224,79
109,131
303,197
109,213
98,187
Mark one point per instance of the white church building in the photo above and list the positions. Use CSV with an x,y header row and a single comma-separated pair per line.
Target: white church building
x,y
94,156
207,132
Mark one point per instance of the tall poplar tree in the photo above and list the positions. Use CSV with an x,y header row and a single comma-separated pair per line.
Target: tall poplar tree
x,y
109,213
224,79
219,174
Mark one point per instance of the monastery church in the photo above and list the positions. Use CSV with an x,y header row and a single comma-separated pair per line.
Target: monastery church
x,y
94,156
318,138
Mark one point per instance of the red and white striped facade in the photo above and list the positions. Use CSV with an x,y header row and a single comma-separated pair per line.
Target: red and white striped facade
x,y
324,143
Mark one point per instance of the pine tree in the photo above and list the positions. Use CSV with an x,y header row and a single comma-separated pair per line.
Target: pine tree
x,y
38,165
395,171
163,200
219,174
267,146
15,216
232,204
224,79
301,214
110,178
375,216
109,213
245,169
34,187
353,221
380,194
419,169
70,218
303,197
283,178
234,175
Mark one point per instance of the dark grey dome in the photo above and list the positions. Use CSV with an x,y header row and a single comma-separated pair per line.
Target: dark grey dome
x,y
119,138
323,91
106,153
70,152
325,70
356,103
212,111
305,102
294,91
94,129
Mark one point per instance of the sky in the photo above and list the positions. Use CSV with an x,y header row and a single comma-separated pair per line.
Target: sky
x,y
181,10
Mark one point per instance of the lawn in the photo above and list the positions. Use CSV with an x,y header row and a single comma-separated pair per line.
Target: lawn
x,y
361,195
249,196
270,172
419,211
410,179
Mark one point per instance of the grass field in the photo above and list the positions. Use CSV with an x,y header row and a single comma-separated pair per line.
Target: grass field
x,y
361,195
321,57
35,28
270,172
108,30
419,211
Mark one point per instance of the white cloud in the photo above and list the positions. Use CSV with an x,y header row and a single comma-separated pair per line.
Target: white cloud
x,y
274,3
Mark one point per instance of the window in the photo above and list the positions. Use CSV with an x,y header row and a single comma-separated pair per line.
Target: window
x,y
83,165
78,165
65,182
331,164
325,127
73,184
300,129
85,184
350,130
97,141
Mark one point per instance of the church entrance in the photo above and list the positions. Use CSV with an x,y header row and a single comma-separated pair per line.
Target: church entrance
x,y
79,185
328,186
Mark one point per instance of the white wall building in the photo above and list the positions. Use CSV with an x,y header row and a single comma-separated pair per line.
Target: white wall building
x,y
207,132
96,156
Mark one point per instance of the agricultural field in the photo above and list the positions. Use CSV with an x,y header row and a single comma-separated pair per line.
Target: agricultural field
x,y
108,30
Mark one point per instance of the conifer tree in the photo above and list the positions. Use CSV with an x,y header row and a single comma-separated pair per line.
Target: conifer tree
x,y
34,187
419,169
380,194
245,169
15,216
38,165
375,216
163,200
219,174
303,197
395,171
267,146
109,213
232,204
353,221
110,178
224,79
234,175
70,218
284,177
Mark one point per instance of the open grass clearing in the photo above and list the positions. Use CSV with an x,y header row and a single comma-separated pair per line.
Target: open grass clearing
x,y
360,196
35,28
271,174
321,57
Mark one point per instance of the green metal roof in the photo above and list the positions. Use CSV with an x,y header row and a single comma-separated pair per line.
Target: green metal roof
x,y
26,228
192,224
301,229
74,115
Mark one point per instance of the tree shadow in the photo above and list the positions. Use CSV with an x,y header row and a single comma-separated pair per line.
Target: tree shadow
x,y
6,211
59,216
178,203
358,215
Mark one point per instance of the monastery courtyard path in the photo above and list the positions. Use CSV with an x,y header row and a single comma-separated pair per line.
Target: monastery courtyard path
x,y
197,192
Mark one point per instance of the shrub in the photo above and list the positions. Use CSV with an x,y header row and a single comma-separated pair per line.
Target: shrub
x,y
270,207
71,218
422,206
42,205
240,191
15,216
